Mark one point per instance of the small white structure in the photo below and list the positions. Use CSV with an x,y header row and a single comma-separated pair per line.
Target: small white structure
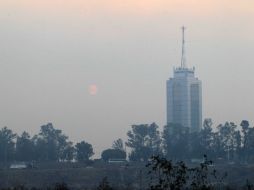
x,y
19,166
197,161
117,161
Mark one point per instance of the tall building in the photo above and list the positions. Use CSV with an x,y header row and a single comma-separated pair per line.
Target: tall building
x,y
184,96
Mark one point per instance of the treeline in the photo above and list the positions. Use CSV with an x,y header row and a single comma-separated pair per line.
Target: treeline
x,y
227,143
49,145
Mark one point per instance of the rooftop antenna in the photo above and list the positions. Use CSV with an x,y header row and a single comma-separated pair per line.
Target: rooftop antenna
x,y
183,59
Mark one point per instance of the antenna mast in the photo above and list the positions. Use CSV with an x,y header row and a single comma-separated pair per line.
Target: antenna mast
x,y
183,59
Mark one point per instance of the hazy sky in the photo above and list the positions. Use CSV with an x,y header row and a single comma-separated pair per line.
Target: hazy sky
x,y
51,51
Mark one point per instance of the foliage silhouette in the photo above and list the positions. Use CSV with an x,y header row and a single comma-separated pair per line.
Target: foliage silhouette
x,y
104,185
113,154
165,175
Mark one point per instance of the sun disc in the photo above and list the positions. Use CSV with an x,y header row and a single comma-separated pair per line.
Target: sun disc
x,y
93,89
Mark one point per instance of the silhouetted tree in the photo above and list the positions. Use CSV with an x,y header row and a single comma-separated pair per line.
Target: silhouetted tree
x,y
68,152
196,147
118,144
204,141
51,144
7,145
238,148
165,175
144,140
176,141
104,185
40,148
84,151
245,128
228,142
250,145
113,154
25,148
64,148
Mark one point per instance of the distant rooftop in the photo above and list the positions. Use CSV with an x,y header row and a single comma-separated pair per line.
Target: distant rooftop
x,y
184,69
184,72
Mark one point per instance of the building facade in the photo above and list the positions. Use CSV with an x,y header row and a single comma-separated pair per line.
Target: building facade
x,y
184,97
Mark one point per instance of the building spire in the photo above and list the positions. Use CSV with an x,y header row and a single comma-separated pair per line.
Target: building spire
x,y
183,59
